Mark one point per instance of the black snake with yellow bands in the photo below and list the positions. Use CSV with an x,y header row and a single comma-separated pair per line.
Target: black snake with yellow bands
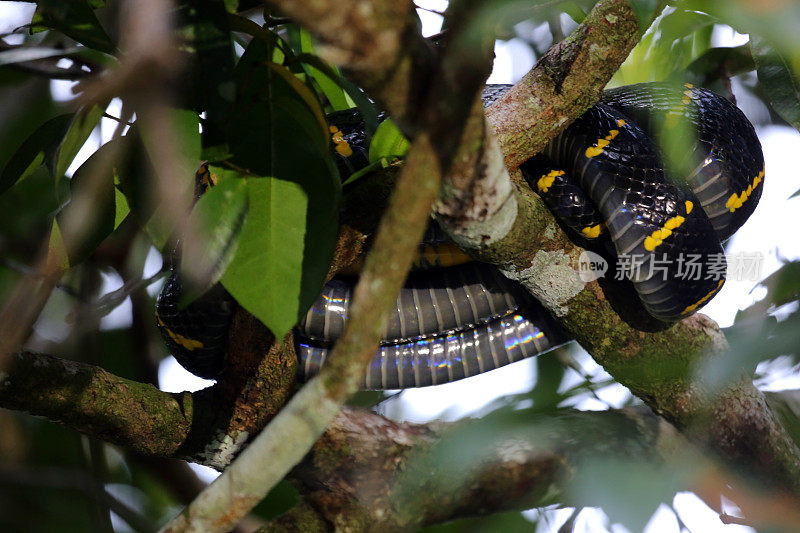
x,y
604,179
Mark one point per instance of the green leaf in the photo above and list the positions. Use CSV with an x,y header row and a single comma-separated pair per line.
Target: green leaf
x,y
667,47
121,208
777,73
278,134
134,176
365,106
644,11
216,223
285,246
577,10
783,286
388,142
75,19
56,249
301,39
34,151
776,21
79,130
635,496
360,173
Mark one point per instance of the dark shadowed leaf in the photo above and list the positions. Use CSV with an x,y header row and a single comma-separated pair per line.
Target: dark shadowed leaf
x,y
217,221
715,66
208,76
26,214
279,500
577,10
75,19
79,130
91,214
549,375
644,10
775,72
511,522
134,179
186,130
40,146
372,167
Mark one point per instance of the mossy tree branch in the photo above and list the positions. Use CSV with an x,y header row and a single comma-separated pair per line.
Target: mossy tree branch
x,y
350,476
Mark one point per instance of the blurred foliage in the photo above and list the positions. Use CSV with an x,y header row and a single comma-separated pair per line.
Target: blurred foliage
x,y
251,102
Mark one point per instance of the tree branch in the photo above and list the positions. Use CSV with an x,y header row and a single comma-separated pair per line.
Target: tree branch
x,y
367,472
350,474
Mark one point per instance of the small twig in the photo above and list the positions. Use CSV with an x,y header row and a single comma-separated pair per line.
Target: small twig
x,y
430,10
117,119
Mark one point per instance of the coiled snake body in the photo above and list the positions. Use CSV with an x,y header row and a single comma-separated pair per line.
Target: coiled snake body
x,y
604,179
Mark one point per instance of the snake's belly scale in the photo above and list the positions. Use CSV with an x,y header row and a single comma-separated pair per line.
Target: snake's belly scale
x,y
604,179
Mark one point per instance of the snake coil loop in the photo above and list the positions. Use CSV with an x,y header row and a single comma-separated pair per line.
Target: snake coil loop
x,y
604,179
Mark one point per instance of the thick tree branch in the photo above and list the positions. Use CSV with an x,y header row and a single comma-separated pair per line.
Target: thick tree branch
x,y
97,403
367,473
350,476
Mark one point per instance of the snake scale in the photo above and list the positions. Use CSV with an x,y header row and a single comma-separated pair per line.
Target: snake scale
x,y
604,179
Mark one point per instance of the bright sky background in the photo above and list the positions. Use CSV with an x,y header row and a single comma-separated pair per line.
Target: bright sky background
x,y
767,232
